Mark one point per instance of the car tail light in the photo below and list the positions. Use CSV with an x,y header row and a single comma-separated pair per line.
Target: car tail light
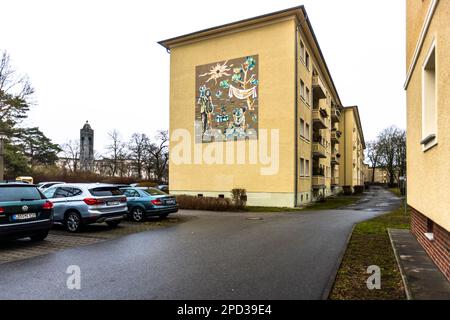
x,y
93,202
156,202
47,205
123,199
2,210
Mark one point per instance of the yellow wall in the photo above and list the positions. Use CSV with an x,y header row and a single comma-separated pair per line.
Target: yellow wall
x,y
350,175
429,172
275,46
416,11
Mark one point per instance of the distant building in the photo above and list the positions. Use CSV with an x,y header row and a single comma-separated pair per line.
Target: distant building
x,y
87,148
381,175
428,135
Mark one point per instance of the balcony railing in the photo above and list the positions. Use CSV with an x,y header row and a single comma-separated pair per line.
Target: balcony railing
x,y
335,114
334,160
318,182
319,121
335,136
318,87
319,150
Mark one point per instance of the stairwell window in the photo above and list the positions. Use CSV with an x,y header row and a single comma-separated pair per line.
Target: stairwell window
x,y
429,106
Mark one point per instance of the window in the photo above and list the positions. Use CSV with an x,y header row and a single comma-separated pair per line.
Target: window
x,y
307,98
302,128
307,132
307,60
106,192
8,193
302,51
302,89
307,168
429,110
302,167
157,192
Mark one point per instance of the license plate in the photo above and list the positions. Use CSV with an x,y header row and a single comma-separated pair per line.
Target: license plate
x,y
170,201
113,203
24,216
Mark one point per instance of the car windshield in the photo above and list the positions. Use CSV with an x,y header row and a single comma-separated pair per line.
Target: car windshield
x,y
154,192
106,192
19,194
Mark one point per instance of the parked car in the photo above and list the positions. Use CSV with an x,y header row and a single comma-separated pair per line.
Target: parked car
x,y
46,185
149,202
163,188
24,212
76,205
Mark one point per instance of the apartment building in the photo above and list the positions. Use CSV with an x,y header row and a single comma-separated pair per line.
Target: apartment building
x,y
376,175
352,145
428,119
253,105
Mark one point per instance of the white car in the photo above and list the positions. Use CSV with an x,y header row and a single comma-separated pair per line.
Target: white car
x,y
45,185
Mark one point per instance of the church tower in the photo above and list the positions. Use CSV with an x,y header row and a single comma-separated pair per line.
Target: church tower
x,y
87,148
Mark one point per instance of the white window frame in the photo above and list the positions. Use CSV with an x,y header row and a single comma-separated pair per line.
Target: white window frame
x,y
302,167
307,131
302,89
434,142
302,128
307,168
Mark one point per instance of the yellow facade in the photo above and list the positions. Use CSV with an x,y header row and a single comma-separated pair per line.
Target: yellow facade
x,y
428,169
296,100
352,145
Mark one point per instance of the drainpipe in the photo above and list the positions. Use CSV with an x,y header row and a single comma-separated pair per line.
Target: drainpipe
x,y
296,121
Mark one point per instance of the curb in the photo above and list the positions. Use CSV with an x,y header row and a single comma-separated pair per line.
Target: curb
x,y
409,295
332,280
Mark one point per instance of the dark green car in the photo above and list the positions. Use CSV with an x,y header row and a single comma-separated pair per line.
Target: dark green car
x,y
144,203
24,212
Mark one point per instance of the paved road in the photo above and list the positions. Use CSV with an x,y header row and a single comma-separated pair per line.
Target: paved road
x,y
211,256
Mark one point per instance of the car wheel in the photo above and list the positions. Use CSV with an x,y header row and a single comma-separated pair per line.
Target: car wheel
x,y
73,222
39,236
137,214
113,224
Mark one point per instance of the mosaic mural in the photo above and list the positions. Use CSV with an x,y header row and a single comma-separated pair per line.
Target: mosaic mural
x,y
226,105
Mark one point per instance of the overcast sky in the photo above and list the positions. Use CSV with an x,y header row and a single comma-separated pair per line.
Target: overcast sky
x,y
99,60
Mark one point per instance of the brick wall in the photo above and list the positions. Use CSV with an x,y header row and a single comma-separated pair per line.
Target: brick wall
x,y
439,249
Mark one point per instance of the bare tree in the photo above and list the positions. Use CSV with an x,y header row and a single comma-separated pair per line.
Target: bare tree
x,y
117,153
157,157
137,149
71,151
16,94
373,155
392,147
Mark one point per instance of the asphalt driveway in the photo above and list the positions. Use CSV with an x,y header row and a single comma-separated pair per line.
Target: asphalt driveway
x,y
210,256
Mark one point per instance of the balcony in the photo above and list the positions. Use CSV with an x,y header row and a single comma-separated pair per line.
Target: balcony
x,y
335,159
319,151
319,119
335,136
335,114
334,181
318,87
318,179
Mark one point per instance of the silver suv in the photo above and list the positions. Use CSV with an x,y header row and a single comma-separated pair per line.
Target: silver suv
x,y
76,205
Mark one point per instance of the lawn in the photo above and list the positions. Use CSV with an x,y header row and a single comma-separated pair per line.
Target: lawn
x,y
370,245
329,204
